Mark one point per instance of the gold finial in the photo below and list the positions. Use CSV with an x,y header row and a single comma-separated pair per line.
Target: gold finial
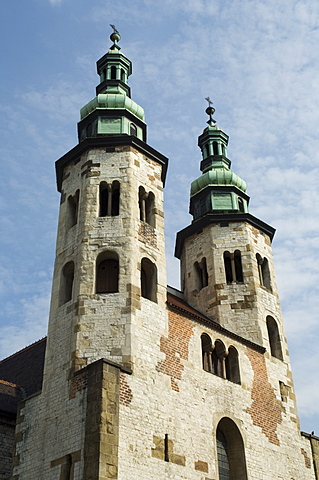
x,y
210,110
115,35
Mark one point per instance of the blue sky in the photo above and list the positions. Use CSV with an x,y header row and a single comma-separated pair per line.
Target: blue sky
x,y
257,60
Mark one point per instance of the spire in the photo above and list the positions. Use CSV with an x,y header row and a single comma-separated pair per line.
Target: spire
x,y
112,111
210,111
114,68
218,190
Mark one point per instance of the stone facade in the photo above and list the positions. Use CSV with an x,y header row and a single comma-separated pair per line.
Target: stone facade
x,y
141,382
240,306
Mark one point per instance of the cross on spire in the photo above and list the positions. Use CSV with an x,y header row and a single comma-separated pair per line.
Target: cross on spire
x,y
210,110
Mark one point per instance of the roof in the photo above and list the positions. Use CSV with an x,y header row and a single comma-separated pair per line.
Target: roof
x,y
10,396
25,368
103,141
211,218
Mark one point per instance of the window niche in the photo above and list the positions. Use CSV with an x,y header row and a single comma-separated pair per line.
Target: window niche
x,y
72,209
109,199
147,206
264,272
66,284
233,267
201,274
230,451
217,360
274,338
207,349
148,280
133,130
232,365
107,273
241,207
113,72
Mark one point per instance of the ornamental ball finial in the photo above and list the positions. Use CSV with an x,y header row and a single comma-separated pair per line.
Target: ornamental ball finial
x,y
115,35
210,110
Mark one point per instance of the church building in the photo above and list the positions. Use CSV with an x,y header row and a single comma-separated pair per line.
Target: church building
x,y
137,380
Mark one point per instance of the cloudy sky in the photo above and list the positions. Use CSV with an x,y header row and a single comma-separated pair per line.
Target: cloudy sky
x,y
256,59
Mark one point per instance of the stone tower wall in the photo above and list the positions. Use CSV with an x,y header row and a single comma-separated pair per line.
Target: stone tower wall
x,y
241,307
91,325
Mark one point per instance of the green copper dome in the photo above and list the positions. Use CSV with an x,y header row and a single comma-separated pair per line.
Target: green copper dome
x,y
219,177
113,101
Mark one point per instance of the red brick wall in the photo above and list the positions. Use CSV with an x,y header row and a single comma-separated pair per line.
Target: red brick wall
x,y
265,409
125,391
175,347
78,382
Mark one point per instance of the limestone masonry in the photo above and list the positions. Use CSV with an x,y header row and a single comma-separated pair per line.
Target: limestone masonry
x,y
137,380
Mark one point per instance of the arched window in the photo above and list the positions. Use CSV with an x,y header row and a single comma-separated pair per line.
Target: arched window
x,y
264,272
147,206
72,209
107,273
133,130
149,209
274,338
211,361
241,205
233,267
217,360
219,356
113,73
238,267
222,456
232,365
104,199
115,208
109,199
230,451
89,130
201,275
207,349
148,280
123,75
228,267
66,285
215,148
67,468
142,197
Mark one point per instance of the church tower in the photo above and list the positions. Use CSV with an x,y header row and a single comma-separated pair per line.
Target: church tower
x,y
110,243
227,269
142,380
